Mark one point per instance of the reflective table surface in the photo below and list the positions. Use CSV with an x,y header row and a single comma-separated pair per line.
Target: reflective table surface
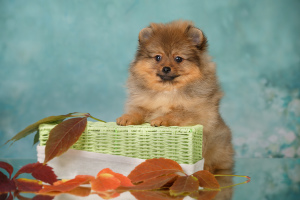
x,y
271,178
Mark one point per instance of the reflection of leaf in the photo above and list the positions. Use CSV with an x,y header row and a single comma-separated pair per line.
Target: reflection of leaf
x,y
108,194
36,197
156,182
206,179
204,195
80,191
69,185
39,171
42,197
3,195
153,168
34,127
183,185
63,136
28,185
154,195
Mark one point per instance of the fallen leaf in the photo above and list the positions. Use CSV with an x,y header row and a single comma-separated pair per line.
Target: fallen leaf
x,y
124,181
7,167
184,185
34,127
63,136
28,185
39,171
105,182
154,195
6,184
152,168
9,196
206,179
156,182
67,185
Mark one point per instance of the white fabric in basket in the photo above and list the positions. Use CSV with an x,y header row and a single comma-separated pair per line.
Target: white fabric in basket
x,y
77,162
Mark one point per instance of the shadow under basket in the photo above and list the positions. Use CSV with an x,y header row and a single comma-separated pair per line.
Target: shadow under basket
x,y
122,148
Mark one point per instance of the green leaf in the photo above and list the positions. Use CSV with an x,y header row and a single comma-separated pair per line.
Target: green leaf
x,y
97,119
34,127
63,136
36,137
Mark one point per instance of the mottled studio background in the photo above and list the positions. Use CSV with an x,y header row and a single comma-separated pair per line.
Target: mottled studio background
x,y
58,57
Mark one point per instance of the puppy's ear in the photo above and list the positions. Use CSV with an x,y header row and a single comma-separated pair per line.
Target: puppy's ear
x,y
145,34
197,37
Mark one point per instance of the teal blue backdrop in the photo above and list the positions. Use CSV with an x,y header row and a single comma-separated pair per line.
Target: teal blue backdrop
x,y
58,57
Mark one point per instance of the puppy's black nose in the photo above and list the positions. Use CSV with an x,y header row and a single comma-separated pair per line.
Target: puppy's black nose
x,y
166,70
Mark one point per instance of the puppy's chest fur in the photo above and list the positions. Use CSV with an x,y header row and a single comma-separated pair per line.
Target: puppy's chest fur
x,y
160,103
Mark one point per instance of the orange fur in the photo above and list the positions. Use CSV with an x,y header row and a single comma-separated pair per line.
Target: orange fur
x,y
166,92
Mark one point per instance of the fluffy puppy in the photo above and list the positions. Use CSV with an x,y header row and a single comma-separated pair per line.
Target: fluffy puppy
x,y
172,82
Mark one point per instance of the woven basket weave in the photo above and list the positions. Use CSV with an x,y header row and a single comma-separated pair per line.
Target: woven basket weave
x,y
182,144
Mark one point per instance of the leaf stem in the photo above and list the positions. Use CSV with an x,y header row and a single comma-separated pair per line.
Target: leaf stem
x,y
242,176
97,119
234,185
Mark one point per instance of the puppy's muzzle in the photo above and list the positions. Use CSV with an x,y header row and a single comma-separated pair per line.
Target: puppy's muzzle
x,y
166,74
166,70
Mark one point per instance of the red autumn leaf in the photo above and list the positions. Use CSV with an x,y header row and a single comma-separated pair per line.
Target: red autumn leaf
x,y
124,181
206,179
39,171
154,195
204,195
153,168
6,184
105,182
7,167
183,185
28,185
67,185
156,182
63,136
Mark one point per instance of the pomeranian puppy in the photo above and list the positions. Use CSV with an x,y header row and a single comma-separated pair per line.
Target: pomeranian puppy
x,y
172,82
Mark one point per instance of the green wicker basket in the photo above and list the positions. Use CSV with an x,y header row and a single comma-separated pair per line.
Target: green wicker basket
x,y
182,144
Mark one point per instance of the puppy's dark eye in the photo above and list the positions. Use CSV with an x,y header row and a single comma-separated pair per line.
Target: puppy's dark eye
x,y
157,58
178,59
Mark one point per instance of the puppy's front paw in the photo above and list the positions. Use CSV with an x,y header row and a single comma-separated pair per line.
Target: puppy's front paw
x,y
163,121
129,119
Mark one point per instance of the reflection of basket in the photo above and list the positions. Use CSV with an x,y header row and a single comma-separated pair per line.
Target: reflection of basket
x,y
182,144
